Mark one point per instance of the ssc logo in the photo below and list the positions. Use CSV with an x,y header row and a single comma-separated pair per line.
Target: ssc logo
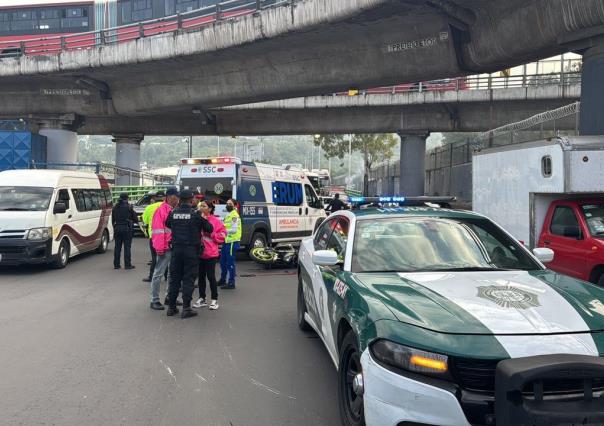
x,y
252,190
218,188
509,296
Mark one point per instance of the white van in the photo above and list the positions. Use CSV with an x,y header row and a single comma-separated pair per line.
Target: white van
x,y
276,204
48,216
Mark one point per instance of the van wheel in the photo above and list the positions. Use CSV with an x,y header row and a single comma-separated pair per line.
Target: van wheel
x,y
258,240
600,282
102,248
62,255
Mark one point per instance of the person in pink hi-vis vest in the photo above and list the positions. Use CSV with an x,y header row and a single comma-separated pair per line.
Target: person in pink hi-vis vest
x,y
210,255
161,236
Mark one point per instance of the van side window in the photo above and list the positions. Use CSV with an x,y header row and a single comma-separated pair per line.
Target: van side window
x,y
78,195
565,223
311,198
64,197
106,201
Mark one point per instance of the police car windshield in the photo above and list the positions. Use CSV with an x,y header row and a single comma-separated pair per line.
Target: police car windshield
x,y
435,244
24,198
211,188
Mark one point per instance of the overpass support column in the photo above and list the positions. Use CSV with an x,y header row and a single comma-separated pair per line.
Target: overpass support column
x,y
61,144
413,164
128,156
592,91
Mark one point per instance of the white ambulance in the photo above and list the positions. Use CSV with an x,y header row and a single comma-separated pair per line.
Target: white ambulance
x,y
48,216
275,204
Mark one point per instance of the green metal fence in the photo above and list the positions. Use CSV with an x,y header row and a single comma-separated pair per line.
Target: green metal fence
x,y
134,192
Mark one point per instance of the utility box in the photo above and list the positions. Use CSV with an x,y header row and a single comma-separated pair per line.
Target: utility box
x,y
19,150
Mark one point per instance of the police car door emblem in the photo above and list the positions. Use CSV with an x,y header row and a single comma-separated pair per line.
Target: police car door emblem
x,y
218,188
509,296
252,190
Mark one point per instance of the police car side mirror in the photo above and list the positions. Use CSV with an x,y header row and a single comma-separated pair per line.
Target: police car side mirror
x,y
544,255
325,258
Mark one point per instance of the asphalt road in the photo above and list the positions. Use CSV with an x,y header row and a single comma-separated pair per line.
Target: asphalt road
x,y
80,346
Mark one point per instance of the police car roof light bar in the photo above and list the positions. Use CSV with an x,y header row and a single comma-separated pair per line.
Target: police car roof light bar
x,y
402,201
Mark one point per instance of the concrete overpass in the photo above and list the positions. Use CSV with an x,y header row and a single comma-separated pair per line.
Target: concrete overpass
x,y
297,48
410,112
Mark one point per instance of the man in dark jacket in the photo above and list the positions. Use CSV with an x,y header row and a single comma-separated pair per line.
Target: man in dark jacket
x,y
335,205
123,218
186,224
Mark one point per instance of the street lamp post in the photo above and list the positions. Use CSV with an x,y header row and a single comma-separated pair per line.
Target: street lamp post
x,y
317,138
189,141
349,160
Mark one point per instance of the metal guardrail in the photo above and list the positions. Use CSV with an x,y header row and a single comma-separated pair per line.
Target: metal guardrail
x,y
181,22
111,171
477,82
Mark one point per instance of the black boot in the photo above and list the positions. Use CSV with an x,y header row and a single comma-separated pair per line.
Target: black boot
x,y
187,312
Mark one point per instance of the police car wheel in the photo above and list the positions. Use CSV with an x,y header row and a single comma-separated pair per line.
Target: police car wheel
x,y
350,399
62,255
302,324
102,248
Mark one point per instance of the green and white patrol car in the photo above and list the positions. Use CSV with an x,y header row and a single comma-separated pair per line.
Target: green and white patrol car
x,y
440,317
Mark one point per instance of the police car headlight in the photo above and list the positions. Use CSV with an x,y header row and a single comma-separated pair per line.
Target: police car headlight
x,y
39,234
410,359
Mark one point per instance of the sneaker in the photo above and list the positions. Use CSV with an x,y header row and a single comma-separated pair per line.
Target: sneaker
x,y
147,280
188,313
220,283
228,287
201,303
116,267
172,310
130,267
156,306
213,305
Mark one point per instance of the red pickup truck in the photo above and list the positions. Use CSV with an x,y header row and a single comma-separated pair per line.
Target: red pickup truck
x,y
574,230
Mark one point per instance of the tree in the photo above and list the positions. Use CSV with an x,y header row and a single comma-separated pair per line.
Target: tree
x,y
373,147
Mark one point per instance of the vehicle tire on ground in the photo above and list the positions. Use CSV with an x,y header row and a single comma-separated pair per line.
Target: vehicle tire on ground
x,y
352,410
102,248
302,324
258,240
62,255
600,282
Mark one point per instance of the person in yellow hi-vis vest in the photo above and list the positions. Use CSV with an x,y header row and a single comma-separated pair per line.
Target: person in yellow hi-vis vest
x,y
232,223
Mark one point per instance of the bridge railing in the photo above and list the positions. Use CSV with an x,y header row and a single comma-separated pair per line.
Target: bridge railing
x,y
111,172
477,82
188,21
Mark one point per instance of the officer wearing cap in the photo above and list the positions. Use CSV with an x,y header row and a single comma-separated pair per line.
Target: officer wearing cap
x,y
123,219
186,225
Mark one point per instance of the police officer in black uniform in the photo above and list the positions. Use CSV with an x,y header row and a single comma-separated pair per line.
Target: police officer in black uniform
x,y
123,219
186,224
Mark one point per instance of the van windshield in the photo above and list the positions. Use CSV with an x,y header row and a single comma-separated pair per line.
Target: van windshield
x,y
594,216
24,198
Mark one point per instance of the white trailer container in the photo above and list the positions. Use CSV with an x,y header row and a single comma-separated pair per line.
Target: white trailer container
x,y
515,184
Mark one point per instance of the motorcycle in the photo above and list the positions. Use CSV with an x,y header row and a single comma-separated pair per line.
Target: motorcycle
x,y
282,255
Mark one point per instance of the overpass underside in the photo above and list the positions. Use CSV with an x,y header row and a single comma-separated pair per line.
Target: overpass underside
x,y
304,48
